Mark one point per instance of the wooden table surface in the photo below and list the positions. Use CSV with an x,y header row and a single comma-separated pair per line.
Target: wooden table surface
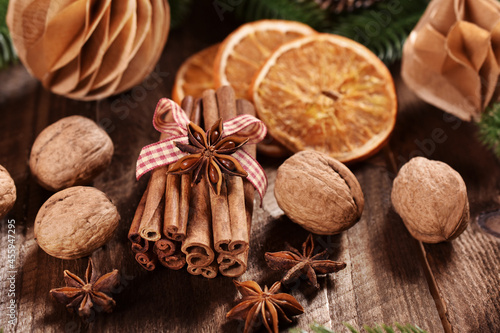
x,y
390,277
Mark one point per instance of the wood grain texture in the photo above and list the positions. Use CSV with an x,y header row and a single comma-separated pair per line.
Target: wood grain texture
x,y
388,281
387,278
466,270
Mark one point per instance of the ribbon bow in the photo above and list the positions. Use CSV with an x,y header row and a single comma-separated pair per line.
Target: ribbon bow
x,y
165,152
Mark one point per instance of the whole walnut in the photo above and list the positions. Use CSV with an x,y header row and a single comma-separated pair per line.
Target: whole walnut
x,y
319,193
74,222
71,151
7,192
431,198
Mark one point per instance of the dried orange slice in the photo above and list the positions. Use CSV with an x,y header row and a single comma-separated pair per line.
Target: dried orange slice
x,y
195,74
327,93
246,49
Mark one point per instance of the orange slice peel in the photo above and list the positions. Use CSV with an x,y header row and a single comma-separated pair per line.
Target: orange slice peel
x,y
327,93
245,50
195,74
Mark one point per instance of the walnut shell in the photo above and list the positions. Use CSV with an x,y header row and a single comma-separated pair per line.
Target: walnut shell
x,y
71,151
431,198
74,222
7,192
319,193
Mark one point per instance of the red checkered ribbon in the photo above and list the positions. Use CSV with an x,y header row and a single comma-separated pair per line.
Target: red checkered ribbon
x,y
165,152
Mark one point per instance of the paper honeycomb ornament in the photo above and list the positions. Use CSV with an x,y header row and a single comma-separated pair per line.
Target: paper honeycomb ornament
x,y
89,49
451,59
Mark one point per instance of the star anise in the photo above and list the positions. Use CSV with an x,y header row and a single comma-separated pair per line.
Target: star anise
x,y
306,263
209,155
263,305
82,295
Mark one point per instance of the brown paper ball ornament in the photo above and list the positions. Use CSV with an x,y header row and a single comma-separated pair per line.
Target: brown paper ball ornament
x,y
88,49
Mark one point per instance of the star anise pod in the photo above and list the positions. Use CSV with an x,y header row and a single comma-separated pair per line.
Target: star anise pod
x,y
209,155
83,295
265,306
306,263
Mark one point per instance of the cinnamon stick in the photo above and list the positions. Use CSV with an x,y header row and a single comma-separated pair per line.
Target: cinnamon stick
x,y
198,243
175,262
147,260
192,108
185,197
151,223
245,107
218,203
168,253
209,271
235,191
177,193
164,247
171,218
151,229
234,265
141,246
138,243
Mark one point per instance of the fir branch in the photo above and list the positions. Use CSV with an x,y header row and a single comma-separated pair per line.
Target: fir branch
x,y
383,28
3,13
351,329
7,54
317,328
179,11
307,12
489,128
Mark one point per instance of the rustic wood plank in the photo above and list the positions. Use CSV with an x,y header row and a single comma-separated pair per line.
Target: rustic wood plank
x,y
17,112
33,262
383,283
388,281
467,270
127,118
385,279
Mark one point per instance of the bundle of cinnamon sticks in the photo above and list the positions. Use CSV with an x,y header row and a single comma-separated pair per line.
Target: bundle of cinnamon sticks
x,y
178,222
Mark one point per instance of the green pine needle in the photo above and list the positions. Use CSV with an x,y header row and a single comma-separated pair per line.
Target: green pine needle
x,y
307,12
3,12
296,330
385,38
387,328
383,28
351,329
7,54
489,128
179,11
317,328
